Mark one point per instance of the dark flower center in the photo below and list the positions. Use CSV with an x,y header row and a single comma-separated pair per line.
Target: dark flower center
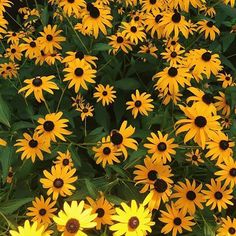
x,y
58,183
176,17
10,174
218,195
133,222
13,50
72,226
138,103
210,24
191,195
206,56
194,157
232,172
200,121
49,37
33,143
161,146
152,175
173,54
136,18
37,82
100,212
65,162
94,12
173,43
119,39
42,212
104,93
79,72
177,221
106,150
153,1
48,125
158,18
85,110
14,34
231,230
89,6
172,72
133,29
224,144
79,55
227,78
116,138
71,1
208,98
160,185
32,44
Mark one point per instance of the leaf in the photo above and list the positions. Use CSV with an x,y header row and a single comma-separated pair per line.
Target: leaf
x,y
45,16
5,160
22,125
11,206
95,135
102,47
4,112
134,158
114,199
74,155
91,188
227,40
102,117
127,84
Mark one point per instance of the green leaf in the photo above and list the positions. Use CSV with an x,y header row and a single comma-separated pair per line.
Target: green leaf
x,y
45,16
91,188
102,117
4,112
114,199
74,155
5,160
11,206
101,47
227,40
22,125
134,158
127,84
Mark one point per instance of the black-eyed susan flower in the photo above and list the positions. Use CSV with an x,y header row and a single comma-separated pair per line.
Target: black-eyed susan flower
x,y
105,94
161,147
148,173
134,219
219,147
225,79
42,210
227,171
13,37
150,5
104,210
3,26
226,122
133,32
79,73
14,52
231,2
199,123
174,22
189,196
50,39
208,10
77,100
10,175
53,126
31,47
175,220
149,49
167,97
218,195
227,227
141,103
159,192
72,7
59,181
222,104
64,159
208,28
51,58
30,229
194,156
122,138
96,18
9,70
39,84
86,110
184,5
171,78
74,219
106,152
119,41
32,146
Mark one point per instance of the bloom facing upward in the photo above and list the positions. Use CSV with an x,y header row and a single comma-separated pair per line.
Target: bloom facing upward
x,y
59,181
105,94
74,219
227,227
194,156
133,220
64,159
86,110
53,126
122,138
175,220
32,147
160,146
200,124
209,28
39,84
72,6
141,103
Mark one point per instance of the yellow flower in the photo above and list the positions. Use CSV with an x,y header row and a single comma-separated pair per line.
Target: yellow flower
x,y
106,94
